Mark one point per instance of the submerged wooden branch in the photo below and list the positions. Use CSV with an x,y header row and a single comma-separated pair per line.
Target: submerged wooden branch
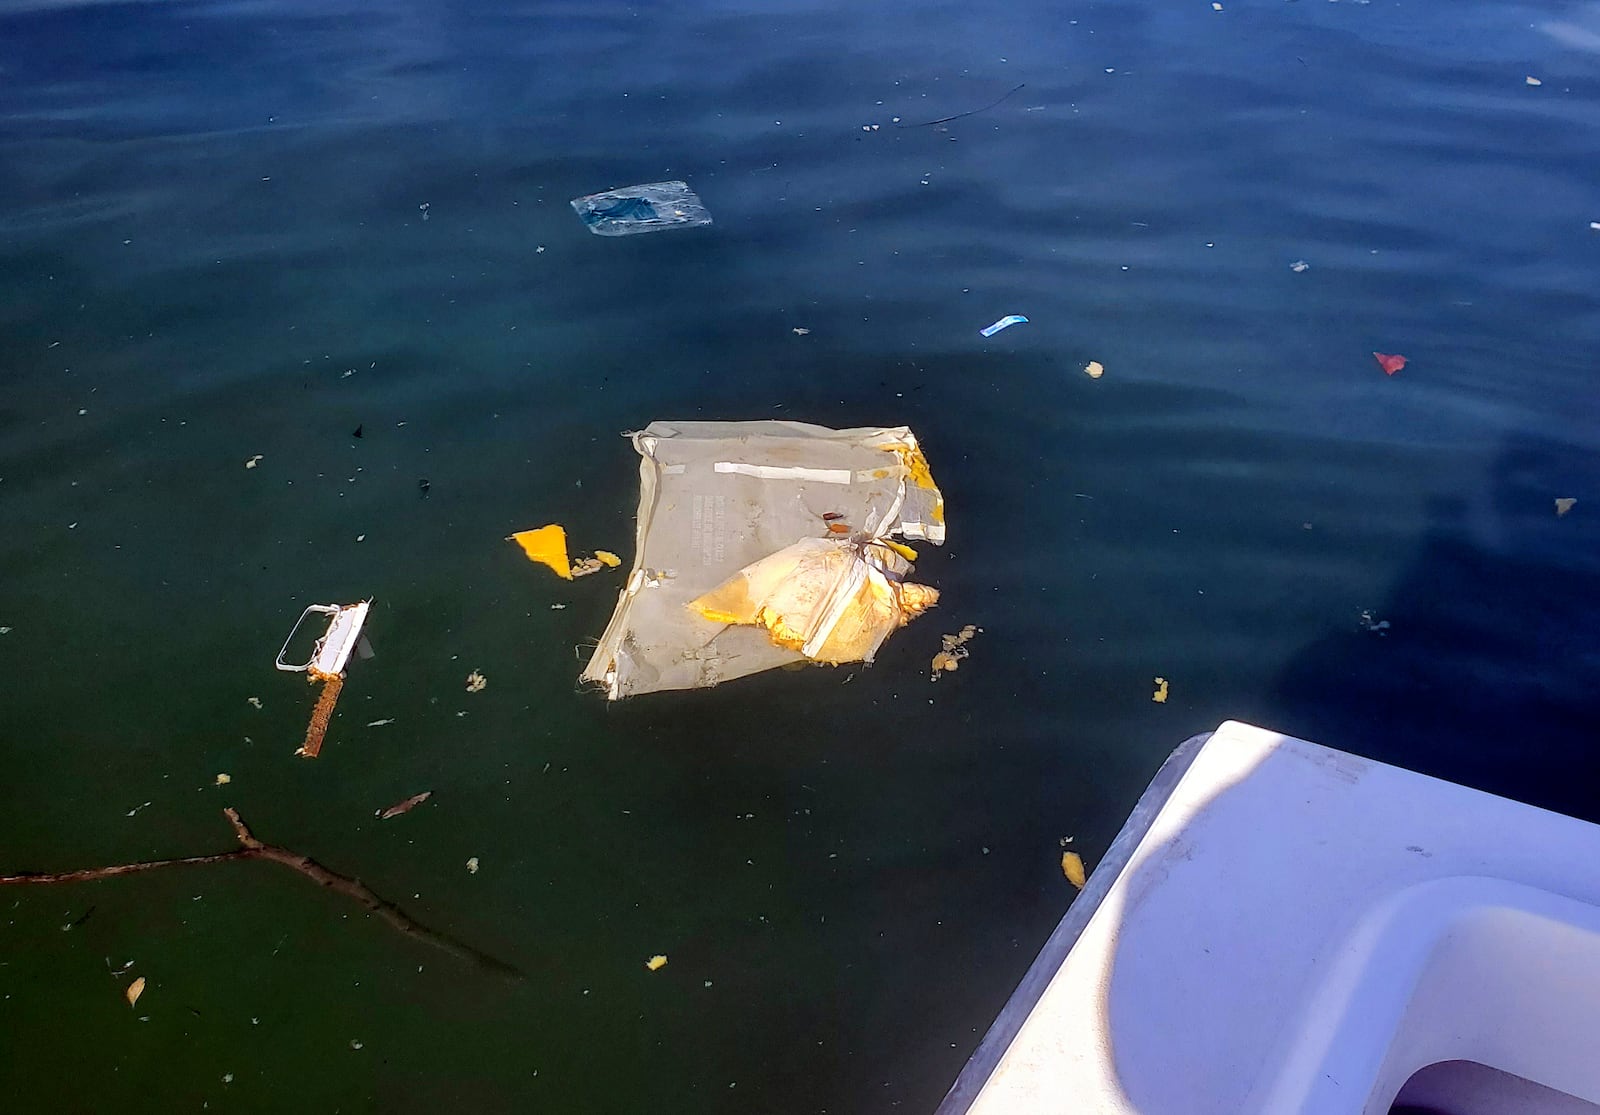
x,y
254,848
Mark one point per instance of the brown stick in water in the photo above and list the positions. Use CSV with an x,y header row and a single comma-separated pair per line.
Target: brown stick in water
x,y
320,714
303,865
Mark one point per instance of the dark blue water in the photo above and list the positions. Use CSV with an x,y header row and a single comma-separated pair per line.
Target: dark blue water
x,y
240,228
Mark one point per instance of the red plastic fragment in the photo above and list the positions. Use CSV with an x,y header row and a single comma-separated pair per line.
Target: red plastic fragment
x,y
1389,362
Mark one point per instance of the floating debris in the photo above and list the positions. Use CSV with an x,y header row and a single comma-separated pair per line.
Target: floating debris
x,y
1389,362
472,866
822,597
799,332
135,989
1094,369
1564,504
649,207
1372,624
255,702
1004,323
716,500
656,963
1072,868
1299,265
380,723
329,656
961,115
546,545
1160,695
405,806
476,682
949,659
1530,80
253,461
224,779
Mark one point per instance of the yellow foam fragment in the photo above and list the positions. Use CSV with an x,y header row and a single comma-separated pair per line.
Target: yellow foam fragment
x,y
1072,868
608,558
547,546
900,548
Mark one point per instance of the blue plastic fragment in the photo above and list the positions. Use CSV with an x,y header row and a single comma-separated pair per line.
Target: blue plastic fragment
x,y
1004,323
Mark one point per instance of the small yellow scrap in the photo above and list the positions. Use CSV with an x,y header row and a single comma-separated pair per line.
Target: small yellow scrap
x,y
548,546
898,547
1160,695
1564,504
606,557
135,989
656,963
1094,369
472,866
224,779
1072,868
476,682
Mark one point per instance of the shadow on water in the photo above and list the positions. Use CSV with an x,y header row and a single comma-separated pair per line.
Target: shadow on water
x,y
1497,696
1486,674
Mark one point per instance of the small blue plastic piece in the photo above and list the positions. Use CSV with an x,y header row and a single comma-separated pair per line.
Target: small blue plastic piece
x,y
1004,323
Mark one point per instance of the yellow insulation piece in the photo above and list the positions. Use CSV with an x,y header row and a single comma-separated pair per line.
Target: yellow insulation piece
x,y
548,546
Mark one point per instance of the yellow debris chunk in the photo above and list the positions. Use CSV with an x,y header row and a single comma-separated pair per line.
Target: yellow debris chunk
x,y
899,547
1072,868
817,591
547,546
135,989
1160,695
608,558
656,963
